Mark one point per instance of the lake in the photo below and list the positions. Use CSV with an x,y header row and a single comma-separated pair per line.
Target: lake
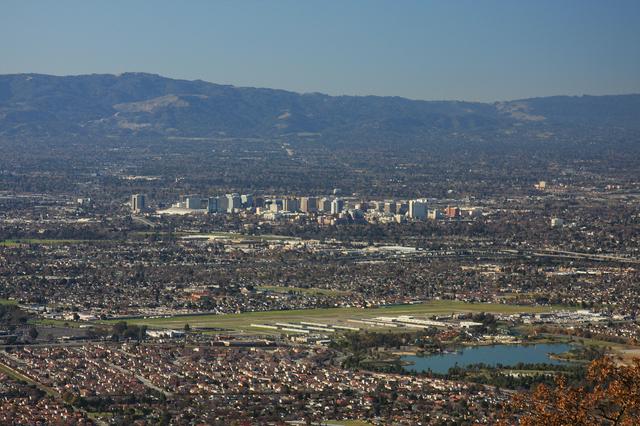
x,y
491,355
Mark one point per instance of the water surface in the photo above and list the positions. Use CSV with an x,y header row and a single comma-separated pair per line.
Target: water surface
x,y
507,355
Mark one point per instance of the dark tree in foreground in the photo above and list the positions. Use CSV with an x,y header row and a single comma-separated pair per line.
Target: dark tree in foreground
x,y
33,333
610,396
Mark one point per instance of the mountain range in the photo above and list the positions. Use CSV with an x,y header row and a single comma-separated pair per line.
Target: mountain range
x,y
147,105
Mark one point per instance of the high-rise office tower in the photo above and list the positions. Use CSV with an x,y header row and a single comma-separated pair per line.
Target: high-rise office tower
x,y
258,201
247,200
337,206
290,205
193,202
324,205
308,204
212,205
417,210
138,203
234,202
223,204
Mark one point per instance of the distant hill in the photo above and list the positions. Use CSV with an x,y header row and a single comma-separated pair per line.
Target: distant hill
x,y
142,105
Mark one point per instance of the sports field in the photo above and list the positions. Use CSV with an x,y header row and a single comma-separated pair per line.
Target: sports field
x,y
242,322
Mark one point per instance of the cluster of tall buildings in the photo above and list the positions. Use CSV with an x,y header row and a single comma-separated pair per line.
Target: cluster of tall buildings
x,y
305,205
227,203
325,208
414,209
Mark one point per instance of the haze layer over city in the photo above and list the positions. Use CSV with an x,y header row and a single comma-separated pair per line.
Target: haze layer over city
x,y
336,213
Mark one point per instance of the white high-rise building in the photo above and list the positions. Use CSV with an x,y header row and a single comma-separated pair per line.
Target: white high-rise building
x,y
234,202
337,206
247,200
138,203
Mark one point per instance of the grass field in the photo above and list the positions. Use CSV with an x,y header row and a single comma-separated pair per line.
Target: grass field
x,y
222,235
242,322
161,233
15,243
626,351
236,236
7,302
21,377
14,374
309,291
57,323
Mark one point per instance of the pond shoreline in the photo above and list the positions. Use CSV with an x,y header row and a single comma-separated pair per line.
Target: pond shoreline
x,y
497,354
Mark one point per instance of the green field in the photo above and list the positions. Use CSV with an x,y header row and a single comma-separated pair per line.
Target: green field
x,y
242,322
21,377
57,323
301,290
14,374
7,302
17,242
218,234
236,236
159,233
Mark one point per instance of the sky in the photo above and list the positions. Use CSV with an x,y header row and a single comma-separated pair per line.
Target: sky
x,y
477,50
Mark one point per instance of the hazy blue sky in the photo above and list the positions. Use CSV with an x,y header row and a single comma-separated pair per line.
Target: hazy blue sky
x,y
472,50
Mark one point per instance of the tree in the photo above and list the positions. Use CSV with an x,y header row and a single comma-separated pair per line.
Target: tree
x,y
119,328
610,396
33,333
